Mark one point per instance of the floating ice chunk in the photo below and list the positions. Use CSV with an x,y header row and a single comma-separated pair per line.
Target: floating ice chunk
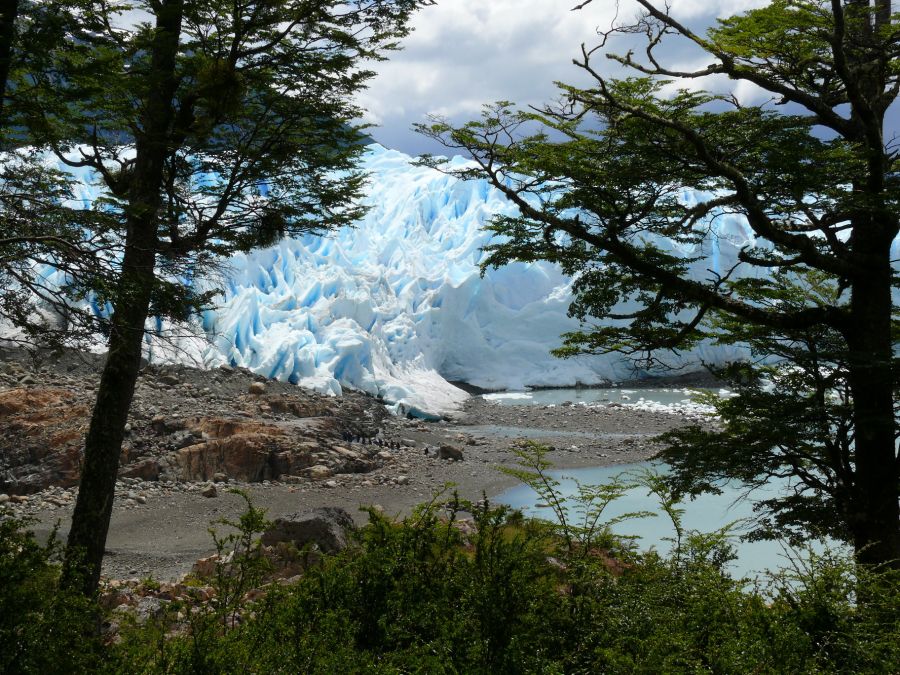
x,y
508,395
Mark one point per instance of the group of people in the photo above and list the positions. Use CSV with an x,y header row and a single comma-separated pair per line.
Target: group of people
x,y
350,437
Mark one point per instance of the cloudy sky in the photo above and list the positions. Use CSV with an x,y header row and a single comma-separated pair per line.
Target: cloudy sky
x,y
464,53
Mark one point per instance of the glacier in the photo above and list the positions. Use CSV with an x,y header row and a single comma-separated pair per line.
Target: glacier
x,y
396,306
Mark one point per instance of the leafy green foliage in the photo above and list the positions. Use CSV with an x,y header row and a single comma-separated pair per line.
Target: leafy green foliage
x,y
497,593
505,594
43,628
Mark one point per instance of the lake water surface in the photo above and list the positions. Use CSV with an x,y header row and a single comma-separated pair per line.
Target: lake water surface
x,y
592,396
707,513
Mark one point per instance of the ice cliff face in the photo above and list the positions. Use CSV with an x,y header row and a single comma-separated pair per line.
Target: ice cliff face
x,y
396,306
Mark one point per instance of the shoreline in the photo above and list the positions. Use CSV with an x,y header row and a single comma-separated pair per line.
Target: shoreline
x,y
165,536
160,520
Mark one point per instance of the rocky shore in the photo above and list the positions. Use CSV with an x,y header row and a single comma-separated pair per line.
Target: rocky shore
x,y
193,434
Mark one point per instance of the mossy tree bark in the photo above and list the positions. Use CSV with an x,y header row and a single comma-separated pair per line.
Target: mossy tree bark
x,y
9,12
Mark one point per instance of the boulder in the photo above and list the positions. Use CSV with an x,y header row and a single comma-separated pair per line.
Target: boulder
x,y
257,388
246,450
145,469
245,457
327,528
449,452
354,466
319,472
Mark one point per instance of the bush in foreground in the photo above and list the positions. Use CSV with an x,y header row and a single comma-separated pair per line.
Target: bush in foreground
x,y
496,593
43,629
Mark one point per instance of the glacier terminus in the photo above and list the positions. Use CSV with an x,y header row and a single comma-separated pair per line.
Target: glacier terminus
x,y
397,306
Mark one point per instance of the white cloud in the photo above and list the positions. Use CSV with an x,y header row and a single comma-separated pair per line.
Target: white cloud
x,y
465,53
698,9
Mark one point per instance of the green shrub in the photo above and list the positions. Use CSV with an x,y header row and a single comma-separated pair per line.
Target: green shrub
x,y
503,594
43,628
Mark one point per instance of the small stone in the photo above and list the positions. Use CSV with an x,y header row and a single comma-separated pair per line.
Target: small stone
x,y
4,498
330,483
209,491
257,388
220,477
402,480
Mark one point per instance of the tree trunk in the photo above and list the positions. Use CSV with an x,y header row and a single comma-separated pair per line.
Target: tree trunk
x,y
93,508
875,516
9,11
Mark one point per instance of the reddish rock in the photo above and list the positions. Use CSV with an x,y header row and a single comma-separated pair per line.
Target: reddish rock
x,y
43,431
145,469
244,457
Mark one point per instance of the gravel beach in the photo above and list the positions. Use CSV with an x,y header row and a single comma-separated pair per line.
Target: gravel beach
x,y
160,527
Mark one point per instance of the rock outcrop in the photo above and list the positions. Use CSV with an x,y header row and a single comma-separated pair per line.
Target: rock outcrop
x,y
327,528
185,425
41,435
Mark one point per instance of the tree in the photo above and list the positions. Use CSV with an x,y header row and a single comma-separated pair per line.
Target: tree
x,y
599,186
9,12
39,229
209,127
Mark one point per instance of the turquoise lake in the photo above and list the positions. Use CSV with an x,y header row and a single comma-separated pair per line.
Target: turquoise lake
x,y
707,513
